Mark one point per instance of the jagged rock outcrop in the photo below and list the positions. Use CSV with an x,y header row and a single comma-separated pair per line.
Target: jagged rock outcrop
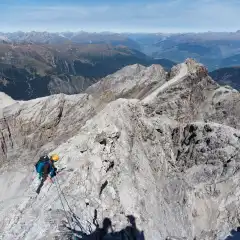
x,y
130,82
170,157
192,95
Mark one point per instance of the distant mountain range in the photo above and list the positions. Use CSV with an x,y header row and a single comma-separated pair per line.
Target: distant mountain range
x,y
113,39
213,49
35,64
32,70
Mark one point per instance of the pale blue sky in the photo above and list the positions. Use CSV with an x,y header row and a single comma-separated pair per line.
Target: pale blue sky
x,y
120,16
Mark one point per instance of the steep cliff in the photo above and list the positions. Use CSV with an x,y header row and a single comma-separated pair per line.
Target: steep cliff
x,y
162,148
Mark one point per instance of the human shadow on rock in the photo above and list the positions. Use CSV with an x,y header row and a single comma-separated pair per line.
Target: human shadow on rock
x,y
235,235
106,232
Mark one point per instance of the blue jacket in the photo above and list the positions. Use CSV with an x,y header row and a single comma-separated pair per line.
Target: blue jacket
x,y
46,167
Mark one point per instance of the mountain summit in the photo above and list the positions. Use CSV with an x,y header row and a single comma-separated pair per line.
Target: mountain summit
x,y
163,148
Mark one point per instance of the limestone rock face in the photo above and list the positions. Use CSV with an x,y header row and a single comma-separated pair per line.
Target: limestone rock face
x,y
192,95
164,150
29,128
130,82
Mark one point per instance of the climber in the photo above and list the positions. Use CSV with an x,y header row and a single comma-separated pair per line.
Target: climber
x,y
44,167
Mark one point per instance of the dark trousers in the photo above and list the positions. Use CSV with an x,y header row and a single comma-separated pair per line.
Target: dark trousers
x,y
44,177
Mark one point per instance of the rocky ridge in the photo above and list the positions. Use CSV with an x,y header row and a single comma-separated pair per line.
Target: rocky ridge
x,y
164,149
